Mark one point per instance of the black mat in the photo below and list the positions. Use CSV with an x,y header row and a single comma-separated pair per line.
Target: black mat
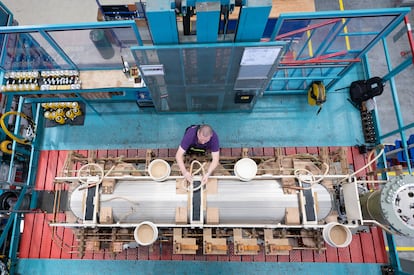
x,y
46,199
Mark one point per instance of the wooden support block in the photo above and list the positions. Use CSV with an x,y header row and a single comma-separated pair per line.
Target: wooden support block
x,y
308,165
286,168
213,246
181,186
210,247
276,246
292,216
308,238
93,245
188,246
125,169
344,160
212,186
212,215
92,154
324,154
183,245
148,157
278,152
269,167
181,215
117,247
287,163
244,246
108,186
105,215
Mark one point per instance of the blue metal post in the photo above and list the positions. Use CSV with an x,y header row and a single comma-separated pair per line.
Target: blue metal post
x,y
395,100
394,259
14,243
252,20
208,18
162,22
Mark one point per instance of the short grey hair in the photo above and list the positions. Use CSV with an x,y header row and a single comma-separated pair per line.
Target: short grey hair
x,y
205,130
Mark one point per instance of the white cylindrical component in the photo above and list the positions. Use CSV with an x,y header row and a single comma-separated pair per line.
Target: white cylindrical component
x,y
146,233
337,235
135,202
255,202
261,201
245,169
159,169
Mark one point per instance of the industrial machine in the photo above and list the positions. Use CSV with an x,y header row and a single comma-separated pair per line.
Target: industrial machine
x,y
280,204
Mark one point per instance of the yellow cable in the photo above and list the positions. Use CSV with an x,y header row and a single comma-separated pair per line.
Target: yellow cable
x,y
10,134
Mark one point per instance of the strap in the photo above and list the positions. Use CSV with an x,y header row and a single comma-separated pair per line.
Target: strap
x,y
192,126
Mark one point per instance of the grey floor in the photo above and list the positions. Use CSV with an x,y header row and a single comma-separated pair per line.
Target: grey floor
x,y
35,12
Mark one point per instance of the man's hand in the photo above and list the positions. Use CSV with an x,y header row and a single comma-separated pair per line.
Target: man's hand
x,y
188,177
204,180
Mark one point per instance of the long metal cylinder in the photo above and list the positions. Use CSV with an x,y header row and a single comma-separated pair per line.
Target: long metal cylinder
x,y
257,201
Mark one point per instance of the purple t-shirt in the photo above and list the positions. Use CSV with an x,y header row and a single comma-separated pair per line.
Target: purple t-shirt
x,y
190,140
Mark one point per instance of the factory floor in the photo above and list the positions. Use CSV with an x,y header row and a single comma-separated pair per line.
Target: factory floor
x,y
65,12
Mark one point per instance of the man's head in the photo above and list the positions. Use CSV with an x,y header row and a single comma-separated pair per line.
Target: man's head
x,y
204,134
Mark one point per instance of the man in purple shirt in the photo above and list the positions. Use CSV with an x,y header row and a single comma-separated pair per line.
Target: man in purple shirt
x,y
197,140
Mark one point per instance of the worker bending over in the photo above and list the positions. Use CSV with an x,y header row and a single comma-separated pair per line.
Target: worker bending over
x,y
197,140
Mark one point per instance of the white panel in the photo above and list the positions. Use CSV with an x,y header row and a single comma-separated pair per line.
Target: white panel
x,y
351,199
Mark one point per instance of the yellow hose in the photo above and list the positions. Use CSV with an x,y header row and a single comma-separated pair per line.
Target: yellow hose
x,y
10,134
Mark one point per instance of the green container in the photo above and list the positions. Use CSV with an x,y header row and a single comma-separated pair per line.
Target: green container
x,y
102,43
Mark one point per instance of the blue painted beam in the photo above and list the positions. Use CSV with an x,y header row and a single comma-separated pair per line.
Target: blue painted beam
x,y
162,22
253,20
51,267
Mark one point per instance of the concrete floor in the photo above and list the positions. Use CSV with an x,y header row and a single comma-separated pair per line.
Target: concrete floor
x,y
76,11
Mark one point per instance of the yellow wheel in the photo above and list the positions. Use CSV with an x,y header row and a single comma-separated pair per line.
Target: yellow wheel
x,y
6,146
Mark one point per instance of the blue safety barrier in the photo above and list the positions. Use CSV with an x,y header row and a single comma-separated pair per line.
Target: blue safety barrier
x,y
410,142
389,148
400,154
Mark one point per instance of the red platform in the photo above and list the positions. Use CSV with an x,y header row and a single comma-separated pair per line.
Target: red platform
x,y
38,240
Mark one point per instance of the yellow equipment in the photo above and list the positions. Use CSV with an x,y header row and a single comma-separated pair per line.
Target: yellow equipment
x,y
316,94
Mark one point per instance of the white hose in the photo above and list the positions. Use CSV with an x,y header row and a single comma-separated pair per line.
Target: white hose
x,y
366,165
313,181
190,187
